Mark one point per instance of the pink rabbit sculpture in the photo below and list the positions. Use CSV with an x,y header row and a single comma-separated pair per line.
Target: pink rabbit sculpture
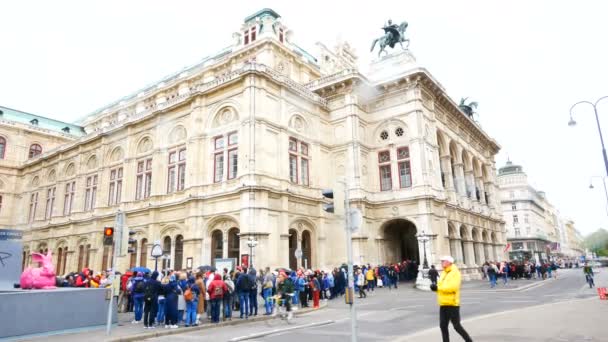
x,y
40,277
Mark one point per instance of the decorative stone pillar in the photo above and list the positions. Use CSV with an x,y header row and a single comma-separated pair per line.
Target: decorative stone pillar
x,y
459,179
481,187
489,190
456,250
224,245
470,184
446,169
469,253
300,260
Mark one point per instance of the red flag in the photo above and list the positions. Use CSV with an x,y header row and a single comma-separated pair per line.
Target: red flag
x,y
507,247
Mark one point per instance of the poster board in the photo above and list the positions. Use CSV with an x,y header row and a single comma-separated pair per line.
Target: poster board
x,y
11,248
229,263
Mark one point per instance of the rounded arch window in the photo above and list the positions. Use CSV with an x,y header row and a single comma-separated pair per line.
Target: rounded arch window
x,y
384,135
35,150
399,131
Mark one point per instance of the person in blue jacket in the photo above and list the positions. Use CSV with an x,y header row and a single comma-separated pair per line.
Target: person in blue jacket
x,y
172,291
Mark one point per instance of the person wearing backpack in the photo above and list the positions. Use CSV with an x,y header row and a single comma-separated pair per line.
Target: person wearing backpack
x,y
228,297
253,294
191,297
243,287
216,291
172,291
137,287
151,292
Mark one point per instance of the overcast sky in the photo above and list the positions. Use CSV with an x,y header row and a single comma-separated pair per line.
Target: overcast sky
x,y
525,63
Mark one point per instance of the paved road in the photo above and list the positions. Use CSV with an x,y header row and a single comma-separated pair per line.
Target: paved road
x,y
389,315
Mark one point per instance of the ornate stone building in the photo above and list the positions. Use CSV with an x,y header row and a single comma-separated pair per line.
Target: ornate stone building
x,y
240,145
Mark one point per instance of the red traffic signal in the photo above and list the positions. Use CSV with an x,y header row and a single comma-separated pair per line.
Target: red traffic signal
x,y
108,236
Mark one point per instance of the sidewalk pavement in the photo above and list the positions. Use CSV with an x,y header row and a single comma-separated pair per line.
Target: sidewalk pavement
x,y
125,331
571,320
512,285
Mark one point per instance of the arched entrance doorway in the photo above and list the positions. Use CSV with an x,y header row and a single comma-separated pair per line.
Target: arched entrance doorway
x,y
293,245
400,241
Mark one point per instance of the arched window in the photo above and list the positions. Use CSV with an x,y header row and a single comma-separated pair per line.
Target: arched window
x,y
2,147
234,244
293,245
80,258
35,150
179,252
143,253
217,245
166,251
59,260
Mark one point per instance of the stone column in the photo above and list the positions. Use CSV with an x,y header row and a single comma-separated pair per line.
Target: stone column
x,y
172,260
481,253
456,250
459,179
489,189
469,183
446,169
481,187
224,244
469,253
300,260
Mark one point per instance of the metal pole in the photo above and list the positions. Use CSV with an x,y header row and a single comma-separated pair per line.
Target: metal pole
x,y
606,193
597,120
351,276
118,227
156,263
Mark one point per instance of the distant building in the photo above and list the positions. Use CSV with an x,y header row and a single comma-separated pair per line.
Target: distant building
x,y
534,227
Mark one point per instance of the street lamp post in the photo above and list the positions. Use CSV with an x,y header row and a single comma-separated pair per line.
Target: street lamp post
x,y
597,120
422,281
251,242
424,239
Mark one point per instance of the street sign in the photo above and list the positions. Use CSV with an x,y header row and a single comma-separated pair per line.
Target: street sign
x,y
356,219
157,251
298,253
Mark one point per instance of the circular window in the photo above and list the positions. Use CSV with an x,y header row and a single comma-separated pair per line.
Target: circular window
x,y
384,135
399,132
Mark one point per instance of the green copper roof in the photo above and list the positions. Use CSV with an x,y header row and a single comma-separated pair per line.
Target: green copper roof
x,y
40,121
262,13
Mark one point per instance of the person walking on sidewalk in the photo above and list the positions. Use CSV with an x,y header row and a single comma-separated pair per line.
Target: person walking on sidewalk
x,y
433,275
448,297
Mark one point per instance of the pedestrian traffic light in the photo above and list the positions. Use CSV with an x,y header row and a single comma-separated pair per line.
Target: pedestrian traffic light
x,y
328,207
132,243
336,206
108,236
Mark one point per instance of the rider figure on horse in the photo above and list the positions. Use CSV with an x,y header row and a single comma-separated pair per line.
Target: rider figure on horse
x,y
392,34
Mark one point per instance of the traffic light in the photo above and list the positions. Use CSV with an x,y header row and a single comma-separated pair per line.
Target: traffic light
x,y
108,236
131,242
336,206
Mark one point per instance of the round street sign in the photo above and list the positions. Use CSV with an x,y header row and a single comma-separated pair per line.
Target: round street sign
x,y
298,253
157,251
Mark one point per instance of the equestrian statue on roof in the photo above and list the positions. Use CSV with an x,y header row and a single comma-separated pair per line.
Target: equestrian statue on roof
x,y
393,34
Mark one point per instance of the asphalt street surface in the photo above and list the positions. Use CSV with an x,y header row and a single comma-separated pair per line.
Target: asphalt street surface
x,y
391,314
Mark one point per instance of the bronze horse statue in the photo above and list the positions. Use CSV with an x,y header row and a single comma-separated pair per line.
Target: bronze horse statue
x,y
393,34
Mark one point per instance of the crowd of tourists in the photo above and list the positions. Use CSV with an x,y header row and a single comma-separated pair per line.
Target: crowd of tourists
x,y
172,298
514,270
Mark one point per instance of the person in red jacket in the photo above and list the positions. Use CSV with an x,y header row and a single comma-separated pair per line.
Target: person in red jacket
x,y
216,290
83,279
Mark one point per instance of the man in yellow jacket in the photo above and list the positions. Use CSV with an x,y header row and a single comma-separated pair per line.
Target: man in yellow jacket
x,y
448,297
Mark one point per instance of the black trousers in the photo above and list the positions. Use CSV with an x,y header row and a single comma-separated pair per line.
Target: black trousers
x,y
150,310
447,314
